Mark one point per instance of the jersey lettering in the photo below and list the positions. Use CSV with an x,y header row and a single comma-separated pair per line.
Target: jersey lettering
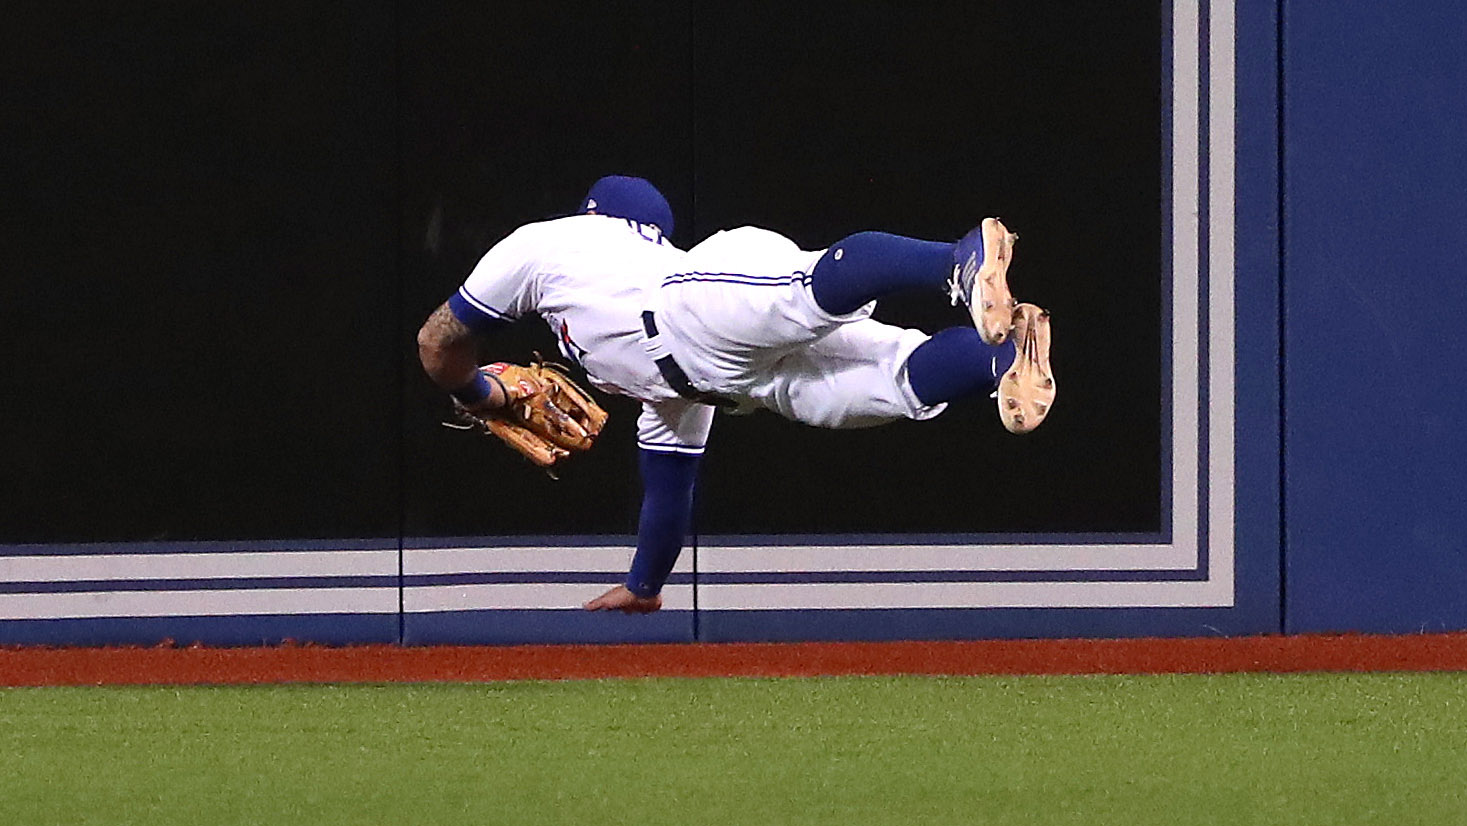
x,y
649,232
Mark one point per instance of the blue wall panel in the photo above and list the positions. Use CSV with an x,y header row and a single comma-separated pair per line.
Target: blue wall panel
x,y
1375,192
989,623
1257,427
240,630
568,626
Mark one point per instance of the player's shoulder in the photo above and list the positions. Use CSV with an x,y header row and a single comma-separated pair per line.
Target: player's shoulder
x,y
597,229
563,230
587,245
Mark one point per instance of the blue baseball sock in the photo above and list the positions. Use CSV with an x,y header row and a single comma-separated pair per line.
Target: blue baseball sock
x,y
860,268
956,363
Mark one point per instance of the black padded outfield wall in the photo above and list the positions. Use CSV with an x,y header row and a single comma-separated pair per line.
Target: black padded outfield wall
x,y
232,221
200,289
815,124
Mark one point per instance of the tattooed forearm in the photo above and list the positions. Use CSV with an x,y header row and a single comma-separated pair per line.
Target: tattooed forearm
x,y
447,349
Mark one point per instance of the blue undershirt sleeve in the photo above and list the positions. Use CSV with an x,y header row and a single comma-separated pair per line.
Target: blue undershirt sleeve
x,y
668,480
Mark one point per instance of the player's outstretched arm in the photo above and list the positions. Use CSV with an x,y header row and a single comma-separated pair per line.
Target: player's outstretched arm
x,y
668,480
622,599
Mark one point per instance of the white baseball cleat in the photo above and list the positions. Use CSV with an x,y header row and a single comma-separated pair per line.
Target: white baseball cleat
x,y
983,285
1026,391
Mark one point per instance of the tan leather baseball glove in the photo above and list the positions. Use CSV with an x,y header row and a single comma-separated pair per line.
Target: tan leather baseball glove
x,y
548,416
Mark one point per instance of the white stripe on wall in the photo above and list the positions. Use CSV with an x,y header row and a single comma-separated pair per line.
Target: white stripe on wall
x,y
813,558
74,568
610,559
772,558
1222,309
269,601
560,595
853,595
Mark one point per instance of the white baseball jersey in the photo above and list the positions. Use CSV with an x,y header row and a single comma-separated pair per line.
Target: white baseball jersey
x,y
588,277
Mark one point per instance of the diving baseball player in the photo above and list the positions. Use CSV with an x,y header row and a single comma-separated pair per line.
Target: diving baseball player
x,y
742,321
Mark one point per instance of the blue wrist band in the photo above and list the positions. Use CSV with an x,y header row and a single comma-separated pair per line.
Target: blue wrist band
x,y
473,392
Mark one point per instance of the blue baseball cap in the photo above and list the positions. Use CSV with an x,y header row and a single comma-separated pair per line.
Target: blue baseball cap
x,y
622,196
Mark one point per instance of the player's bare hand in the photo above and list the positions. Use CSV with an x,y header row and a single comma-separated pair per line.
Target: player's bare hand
x,y
622,599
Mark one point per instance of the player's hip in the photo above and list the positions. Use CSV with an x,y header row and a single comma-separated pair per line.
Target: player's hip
x,y
724,318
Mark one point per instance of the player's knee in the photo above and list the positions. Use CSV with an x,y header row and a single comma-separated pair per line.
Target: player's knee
x,y
857,243
834,290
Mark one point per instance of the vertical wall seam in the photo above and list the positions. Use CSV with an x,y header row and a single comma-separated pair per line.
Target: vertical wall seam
x,y
697,630
401,305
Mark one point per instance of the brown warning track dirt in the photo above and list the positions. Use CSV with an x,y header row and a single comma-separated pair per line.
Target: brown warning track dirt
x,y
383,663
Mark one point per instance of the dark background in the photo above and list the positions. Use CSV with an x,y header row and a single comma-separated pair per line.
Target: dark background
x,y
225,223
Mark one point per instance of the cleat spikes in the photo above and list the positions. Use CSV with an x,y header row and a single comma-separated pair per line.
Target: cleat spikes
x,y
1026,394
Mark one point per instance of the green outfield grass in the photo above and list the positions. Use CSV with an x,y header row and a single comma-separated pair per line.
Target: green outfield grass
x,y
1237,749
